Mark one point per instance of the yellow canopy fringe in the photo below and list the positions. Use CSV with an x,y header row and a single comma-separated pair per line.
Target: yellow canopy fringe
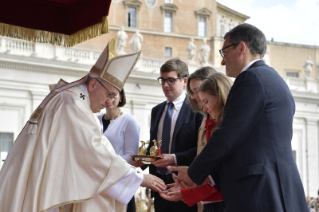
x,y
41,36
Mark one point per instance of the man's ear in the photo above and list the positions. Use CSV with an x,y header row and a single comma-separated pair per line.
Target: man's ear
x,y
92,85
243,47
185,80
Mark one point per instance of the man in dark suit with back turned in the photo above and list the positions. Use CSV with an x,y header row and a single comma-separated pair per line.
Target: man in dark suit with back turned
x,y
251,150
173,122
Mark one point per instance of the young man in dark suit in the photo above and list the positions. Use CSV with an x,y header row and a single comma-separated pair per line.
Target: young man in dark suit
x,y
173,122
251,150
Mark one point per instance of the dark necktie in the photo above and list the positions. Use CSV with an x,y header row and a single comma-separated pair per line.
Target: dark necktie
x,y
166,134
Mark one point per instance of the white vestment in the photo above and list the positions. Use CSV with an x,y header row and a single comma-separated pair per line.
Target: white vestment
x,y
62,160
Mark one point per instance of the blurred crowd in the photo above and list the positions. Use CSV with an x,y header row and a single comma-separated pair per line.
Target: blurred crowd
x,y
313,204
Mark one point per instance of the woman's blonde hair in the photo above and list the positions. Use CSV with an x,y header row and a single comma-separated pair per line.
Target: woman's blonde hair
x,y
219,85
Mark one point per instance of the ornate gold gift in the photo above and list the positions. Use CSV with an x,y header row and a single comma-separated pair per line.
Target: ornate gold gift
x,y
155,152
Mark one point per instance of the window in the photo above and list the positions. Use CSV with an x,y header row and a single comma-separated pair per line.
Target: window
x,y
168,11
168,22
292,74
132,7
203,17
168,51
202,26
131,17
6,142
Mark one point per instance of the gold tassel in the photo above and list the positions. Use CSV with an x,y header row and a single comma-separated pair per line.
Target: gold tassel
x,y
32,127
112,49
41,36
105,25
61,209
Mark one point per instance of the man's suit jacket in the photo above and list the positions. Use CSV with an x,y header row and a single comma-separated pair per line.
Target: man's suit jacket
x,y
184,140
251,150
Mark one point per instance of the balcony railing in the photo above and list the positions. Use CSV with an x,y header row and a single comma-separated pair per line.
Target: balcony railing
x,y
47,51
85,56
306,85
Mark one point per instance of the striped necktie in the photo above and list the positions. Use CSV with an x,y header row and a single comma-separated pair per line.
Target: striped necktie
x,y
166,134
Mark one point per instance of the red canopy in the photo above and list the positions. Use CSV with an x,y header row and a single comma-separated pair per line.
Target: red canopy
x,y
60,22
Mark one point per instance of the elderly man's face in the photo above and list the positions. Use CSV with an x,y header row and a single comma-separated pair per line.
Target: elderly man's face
x,y
99,95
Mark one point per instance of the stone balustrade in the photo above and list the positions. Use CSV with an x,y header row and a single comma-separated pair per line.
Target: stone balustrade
x,y
15,46
145,64
305,85
47,51
152,64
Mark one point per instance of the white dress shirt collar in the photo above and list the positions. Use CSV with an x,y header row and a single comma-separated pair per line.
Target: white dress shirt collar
x,y
248,65
178,102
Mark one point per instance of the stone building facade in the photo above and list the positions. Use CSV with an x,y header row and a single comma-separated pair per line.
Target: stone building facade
x,y
167,28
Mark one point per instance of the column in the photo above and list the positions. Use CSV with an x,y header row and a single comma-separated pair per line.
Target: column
x,y
313,156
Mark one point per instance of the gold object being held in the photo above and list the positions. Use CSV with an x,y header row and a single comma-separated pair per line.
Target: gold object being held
x,y
143,149
154,149
154,152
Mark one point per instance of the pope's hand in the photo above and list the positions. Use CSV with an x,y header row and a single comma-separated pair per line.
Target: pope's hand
x,y
154,183
136,163
168,160
182,175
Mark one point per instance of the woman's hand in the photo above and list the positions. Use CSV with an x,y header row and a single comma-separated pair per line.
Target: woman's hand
x,y
174,196
174,191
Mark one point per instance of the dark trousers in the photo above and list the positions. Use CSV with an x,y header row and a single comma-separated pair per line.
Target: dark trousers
x,y
131,205
162,205
214,207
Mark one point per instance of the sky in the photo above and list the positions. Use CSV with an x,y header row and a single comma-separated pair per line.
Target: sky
x,y
289,21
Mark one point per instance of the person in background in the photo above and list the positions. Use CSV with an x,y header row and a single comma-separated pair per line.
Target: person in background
x,y
123,132
211,93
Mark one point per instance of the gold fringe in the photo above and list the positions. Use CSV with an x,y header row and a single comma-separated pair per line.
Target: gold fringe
x,y
36,114
41,36
112,49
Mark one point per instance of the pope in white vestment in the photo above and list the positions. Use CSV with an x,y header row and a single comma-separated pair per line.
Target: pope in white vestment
x,y
62,161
